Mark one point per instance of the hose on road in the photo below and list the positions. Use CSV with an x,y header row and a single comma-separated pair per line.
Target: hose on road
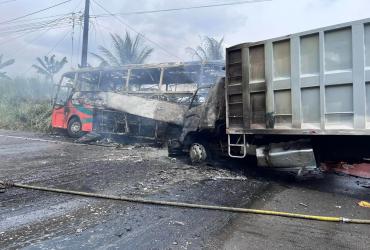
x,y
187,205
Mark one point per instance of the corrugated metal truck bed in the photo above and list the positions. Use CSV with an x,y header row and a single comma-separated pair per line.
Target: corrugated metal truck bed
x,y
315,82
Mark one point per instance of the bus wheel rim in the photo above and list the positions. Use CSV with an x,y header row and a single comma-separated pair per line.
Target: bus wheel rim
x,y
75,127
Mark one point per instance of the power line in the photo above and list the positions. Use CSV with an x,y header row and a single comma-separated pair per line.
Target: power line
x,y
137,32
51,50
36,26
35,12
65,19
60,41
183,8
45,17
29,31
38,37
79,43
72,40
8,1
73,32
97,28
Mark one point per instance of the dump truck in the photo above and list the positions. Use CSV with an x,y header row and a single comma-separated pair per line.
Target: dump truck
x,y
295,101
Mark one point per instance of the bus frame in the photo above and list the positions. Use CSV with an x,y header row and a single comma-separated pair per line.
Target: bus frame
x,y
173,82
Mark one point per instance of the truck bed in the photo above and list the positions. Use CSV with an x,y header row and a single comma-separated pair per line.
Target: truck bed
x,y
315,82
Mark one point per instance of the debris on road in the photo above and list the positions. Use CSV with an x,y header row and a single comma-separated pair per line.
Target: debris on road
x,y
103,170
302,204
179,223
364,204
359,170
89,137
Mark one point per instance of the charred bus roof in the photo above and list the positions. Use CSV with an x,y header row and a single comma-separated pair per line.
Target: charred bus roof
x,y
145,66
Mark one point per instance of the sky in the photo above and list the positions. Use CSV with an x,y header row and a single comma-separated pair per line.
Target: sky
x,y
169,33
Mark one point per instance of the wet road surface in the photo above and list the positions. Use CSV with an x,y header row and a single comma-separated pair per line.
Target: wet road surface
x,y
39,220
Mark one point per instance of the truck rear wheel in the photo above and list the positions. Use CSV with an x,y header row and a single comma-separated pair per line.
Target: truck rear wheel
x,y
198,153
75,128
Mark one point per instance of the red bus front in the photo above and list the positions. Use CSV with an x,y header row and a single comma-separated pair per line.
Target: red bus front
x,y
74,116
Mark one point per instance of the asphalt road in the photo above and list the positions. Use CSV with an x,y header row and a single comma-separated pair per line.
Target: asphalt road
x,y
40,220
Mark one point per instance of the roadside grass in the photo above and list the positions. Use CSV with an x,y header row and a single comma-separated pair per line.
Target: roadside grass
x,y
26,115
25,105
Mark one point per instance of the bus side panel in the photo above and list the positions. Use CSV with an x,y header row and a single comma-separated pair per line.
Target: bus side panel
x,y
58,118
84,112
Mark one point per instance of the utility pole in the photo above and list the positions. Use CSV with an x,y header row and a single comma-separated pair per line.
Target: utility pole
x,y
85,39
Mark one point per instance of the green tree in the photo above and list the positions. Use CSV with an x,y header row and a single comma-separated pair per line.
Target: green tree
x,y
127,50
49,66
209,49
3,65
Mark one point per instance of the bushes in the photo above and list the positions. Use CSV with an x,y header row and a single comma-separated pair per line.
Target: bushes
x,y
25,105
26,115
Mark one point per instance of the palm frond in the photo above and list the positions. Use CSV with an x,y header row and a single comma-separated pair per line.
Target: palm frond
x,y
209,49
49,66
42,63
109,55
41,70
203,53
6,63
118,44
127,50
52,60
135,49
3,75
145,53
102,60
59,65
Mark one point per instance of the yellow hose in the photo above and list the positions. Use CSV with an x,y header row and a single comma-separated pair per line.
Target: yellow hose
x,y
189,205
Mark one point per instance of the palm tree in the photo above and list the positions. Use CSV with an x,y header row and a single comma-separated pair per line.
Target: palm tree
x,y
49,66
209,49
126,50
3,65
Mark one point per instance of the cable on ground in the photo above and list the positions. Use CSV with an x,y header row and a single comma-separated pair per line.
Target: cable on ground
x,y
188,205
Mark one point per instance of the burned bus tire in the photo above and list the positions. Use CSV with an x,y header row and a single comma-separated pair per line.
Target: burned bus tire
x,y
74,128
198,153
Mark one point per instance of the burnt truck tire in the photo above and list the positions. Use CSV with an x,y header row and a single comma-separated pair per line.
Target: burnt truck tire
x,y
75,128
199,153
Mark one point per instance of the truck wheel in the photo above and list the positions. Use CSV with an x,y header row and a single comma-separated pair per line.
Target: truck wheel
x,y
75,128
198,153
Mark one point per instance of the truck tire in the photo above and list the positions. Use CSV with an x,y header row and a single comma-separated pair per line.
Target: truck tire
x,y
75,128
198,153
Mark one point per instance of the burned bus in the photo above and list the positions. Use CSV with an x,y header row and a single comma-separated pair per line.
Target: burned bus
x,y
138,100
